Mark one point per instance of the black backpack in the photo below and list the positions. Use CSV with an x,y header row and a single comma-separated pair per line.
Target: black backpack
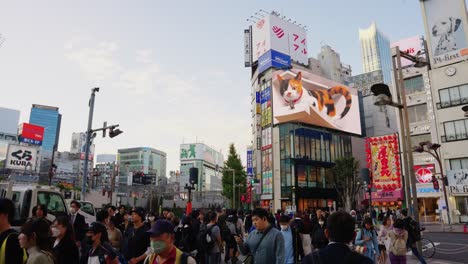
x,y
414,231
206,239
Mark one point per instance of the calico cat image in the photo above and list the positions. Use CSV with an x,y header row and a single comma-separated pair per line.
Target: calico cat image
x,y
291,89
324,98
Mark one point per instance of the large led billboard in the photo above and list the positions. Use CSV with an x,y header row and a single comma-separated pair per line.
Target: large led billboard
x,y
411,45
300,96
273,33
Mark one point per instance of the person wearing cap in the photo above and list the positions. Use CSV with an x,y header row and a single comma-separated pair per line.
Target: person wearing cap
x,y
99,253
138,241
162,245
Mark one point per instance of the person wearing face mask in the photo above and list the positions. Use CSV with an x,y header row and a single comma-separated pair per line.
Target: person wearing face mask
x,y
64,248
34,237
291,240
319,240
77,221
162,245
98,252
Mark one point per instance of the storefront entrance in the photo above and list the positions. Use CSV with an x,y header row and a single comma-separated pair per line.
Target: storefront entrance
x,y
428,209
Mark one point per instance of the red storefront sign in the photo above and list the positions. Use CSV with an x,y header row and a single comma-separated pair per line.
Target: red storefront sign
x,y
424,173
31,131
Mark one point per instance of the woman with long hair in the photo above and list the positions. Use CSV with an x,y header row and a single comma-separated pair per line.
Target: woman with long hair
x,y
64,248
34,237
367,238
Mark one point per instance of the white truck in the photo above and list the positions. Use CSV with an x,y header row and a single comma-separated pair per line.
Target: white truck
x,y
27,196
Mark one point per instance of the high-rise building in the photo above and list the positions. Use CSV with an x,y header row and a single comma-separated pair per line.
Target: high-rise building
x,y
9,119
49,118
146,160
375,52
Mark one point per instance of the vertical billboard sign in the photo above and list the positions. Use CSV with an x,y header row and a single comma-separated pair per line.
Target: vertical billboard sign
x,y
21,157
383,161
250,163
266,107
247,48
304,97
411,46
446,23
274,33
458,182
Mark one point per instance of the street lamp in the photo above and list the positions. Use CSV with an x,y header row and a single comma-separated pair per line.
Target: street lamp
x,y
384,97
431,148
233,187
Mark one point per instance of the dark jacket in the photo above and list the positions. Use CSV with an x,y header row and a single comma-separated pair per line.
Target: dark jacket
x,y
13,253
336,253
66,252
79,226
319,240
297,245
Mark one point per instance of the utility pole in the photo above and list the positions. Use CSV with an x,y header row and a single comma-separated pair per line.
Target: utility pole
x,y
88,139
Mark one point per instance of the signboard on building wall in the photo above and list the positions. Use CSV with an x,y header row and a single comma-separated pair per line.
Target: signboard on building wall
x,y
424,173
273,33
267,182
458,181
314,100
79,146
200,151
273,58
247,48
411,46
21,157
266,138
383,161
31,134
446,22
249,162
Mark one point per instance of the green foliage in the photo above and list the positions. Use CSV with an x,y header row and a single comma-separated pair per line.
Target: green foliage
x,y
233,162
346,180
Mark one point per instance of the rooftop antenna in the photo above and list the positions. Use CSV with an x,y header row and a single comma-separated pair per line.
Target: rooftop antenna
x,y
261,10
259,14
255,17
253,21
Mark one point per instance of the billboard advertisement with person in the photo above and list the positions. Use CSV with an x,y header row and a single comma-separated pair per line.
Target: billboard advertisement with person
x,y
300,96
445,29
458,182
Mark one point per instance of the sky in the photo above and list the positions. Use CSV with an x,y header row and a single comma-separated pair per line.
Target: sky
x,y
169,72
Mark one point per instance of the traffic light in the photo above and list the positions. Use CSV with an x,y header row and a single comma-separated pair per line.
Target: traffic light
x,y
114,132
435,183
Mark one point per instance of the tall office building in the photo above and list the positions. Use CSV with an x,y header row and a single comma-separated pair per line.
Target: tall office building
x,y
147,160
375,52
49,118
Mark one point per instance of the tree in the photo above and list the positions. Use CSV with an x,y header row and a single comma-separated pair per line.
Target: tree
x,y
233,162
346,181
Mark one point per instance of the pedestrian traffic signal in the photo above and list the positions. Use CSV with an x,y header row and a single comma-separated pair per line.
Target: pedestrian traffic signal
x,y
435,183
193,175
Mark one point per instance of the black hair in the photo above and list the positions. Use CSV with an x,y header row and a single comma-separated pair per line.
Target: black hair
x,y
114,221
122,206
39,206
211,216
385,219
76,203
399,224
260,212
112,207
40,228
7,207
340,226
367,220
404,212
284,219
64,221
102,215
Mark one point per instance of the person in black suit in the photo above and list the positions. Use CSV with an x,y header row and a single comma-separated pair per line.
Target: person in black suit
x,y
64,247
77,221
340,232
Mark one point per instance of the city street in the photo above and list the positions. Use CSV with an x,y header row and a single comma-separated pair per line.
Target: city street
x,y
450,247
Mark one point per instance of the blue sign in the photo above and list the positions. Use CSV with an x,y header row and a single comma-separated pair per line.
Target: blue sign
x,y
30,141
275,59
257,97
249,162
265,95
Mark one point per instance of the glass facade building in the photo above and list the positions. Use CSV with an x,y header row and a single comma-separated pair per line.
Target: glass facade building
x,y
49,118
375,52
146,160
307,155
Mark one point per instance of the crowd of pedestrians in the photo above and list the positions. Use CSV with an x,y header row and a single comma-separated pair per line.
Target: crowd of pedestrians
x,y
214,236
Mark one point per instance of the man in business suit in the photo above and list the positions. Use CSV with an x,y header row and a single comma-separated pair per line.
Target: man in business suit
x,y
340,232
77,221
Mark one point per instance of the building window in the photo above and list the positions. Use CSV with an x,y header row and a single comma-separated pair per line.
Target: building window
x,y
414,85
415,140
459,164
417,113
456,130
454,96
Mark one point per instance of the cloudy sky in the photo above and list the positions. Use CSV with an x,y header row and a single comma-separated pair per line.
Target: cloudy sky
x,y
169,71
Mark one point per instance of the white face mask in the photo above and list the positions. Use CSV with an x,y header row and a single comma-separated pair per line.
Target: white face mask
x,y
321,222
55,232
72,210
151,218
129,218
284,227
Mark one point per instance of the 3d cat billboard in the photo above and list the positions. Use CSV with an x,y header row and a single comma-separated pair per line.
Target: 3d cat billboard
x,y
304,97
